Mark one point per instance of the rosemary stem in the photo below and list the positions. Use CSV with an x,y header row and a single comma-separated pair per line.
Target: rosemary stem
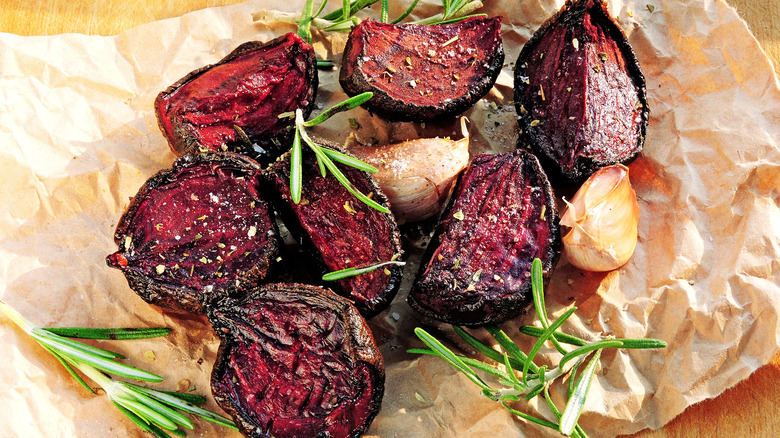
x,y
96,376
304,27
508,392
17,317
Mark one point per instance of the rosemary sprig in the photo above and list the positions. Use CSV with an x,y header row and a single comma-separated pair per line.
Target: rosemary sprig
x,y
352,272
344,19
340,20
158,412
533,379
325,156
454,11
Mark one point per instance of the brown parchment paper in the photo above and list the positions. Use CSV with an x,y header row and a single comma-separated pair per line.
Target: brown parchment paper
x,y
78,137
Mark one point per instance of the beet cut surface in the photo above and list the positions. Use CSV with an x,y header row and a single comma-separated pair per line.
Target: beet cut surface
x,y
340,230
477,268
296,361
247,89
197,231
580,93
420,72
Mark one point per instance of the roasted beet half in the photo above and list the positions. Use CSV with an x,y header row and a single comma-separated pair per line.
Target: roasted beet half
x,y
477,269
341,231
197,232
419,72
296,361
579,92
235,104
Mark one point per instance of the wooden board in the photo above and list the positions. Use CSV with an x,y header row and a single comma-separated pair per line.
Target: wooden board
x,y
748,409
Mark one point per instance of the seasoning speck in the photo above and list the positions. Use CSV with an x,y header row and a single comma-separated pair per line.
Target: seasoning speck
x,y
450,41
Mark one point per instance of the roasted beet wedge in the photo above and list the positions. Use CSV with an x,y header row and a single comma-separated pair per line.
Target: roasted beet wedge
x,y
235,104
341,231
419,72
197,232
477,268
296,361
579,92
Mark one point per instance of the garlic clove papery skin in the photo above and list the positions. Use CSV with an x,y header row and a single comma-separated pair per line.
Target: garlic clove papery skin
x,y
603,217
416,175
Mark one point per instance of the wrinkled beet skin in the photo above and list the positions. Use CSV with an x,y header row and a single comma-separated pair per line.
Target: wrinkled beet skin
x,y
476,270
338,238
583,106
452,78
248,88
296,361
209,201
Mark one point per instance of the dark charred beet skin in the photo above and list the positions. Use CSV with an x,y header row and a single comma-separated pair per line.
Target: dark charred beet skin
x,y
580,93
341,231
420,72
197,232
248,90
477,268
296,361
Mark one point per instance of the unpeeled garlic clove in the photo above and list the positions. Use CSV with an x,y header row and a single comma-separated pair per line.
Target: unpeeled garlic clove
x,y
416,175
603,217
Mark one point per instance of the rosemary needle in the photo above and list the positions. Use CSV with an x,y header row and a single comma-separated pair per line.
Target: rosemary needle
x,y
351,272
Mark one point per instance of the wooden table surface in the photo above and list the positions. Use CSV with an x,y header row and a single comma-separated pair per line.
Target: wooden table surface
x,y
749,409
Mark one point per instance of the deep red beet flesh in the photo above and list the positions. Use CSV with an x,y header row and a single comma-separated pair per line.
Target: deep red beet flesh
x,y
197,231
296,361
235,104
477,268
579,92
341,231
420,72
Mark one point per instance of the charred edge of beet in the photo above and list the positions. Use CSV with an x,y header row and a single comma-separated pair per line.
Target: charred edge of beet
x,y
588,166
365,350
508,308
182,143
280,202
179,298
391,109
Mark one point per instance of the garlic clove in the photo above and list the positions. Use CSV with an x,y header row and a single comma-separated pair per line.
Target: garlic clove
x,y
603,218
416,175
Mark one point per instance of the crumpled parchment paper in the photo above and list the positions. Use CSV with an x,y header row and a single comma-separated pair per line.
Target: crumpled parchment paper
x,y
78,137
